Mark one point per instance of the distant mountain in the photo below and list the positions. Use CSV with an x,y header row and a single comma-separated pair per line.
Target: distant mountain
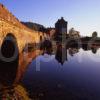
x,y
34,26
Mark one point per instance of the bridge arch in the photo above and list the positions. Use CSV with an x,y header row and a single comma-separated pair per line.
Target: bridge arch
x,y
9,59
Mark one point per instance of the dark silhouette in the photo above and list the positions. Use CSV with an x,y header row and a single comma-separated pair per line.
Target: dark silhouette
x,y
9,59
61,54
46,46
94,50
94,34
35,26
73,43
61,30
73,51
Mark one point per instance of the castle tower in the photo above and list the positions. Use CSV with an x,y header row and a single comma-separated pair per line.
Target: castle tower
x,y
61,29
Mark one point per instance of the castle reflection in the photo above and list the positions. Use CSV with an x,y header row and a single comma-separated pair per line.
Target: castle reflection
x,y
62,52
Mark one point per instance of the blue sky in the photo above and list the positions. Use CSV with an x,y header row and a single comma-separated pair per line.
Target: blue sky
x,y
83,15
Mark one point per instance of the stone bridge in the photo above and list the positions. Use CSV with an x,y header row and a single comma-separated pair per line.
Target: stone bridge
x,y
13,37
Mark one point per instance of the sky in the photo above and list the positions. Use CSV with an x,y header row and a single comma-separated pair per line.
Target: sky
x,y
83,15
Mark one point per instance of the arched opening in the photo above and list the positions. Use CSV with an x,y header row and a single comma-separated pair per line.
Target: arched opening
x,y
9,60
41,39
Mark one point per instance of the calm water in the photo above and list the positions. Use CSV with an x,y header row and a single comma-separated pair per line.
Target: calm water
x,y
76,76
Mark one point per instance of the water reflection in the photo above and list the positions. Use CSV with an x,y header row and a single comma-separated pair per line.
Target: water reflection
x,y
46,46
94,50
8,65
76,80
73,51
70,80
61,53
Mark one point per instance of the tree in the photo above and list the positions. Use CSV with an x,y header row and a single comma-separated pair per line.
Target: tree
x,y
71,31
94,34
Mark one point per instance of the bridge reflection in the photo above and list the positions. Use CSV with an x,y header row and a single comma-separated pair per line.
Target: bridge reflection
x,y
9,60
13,64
